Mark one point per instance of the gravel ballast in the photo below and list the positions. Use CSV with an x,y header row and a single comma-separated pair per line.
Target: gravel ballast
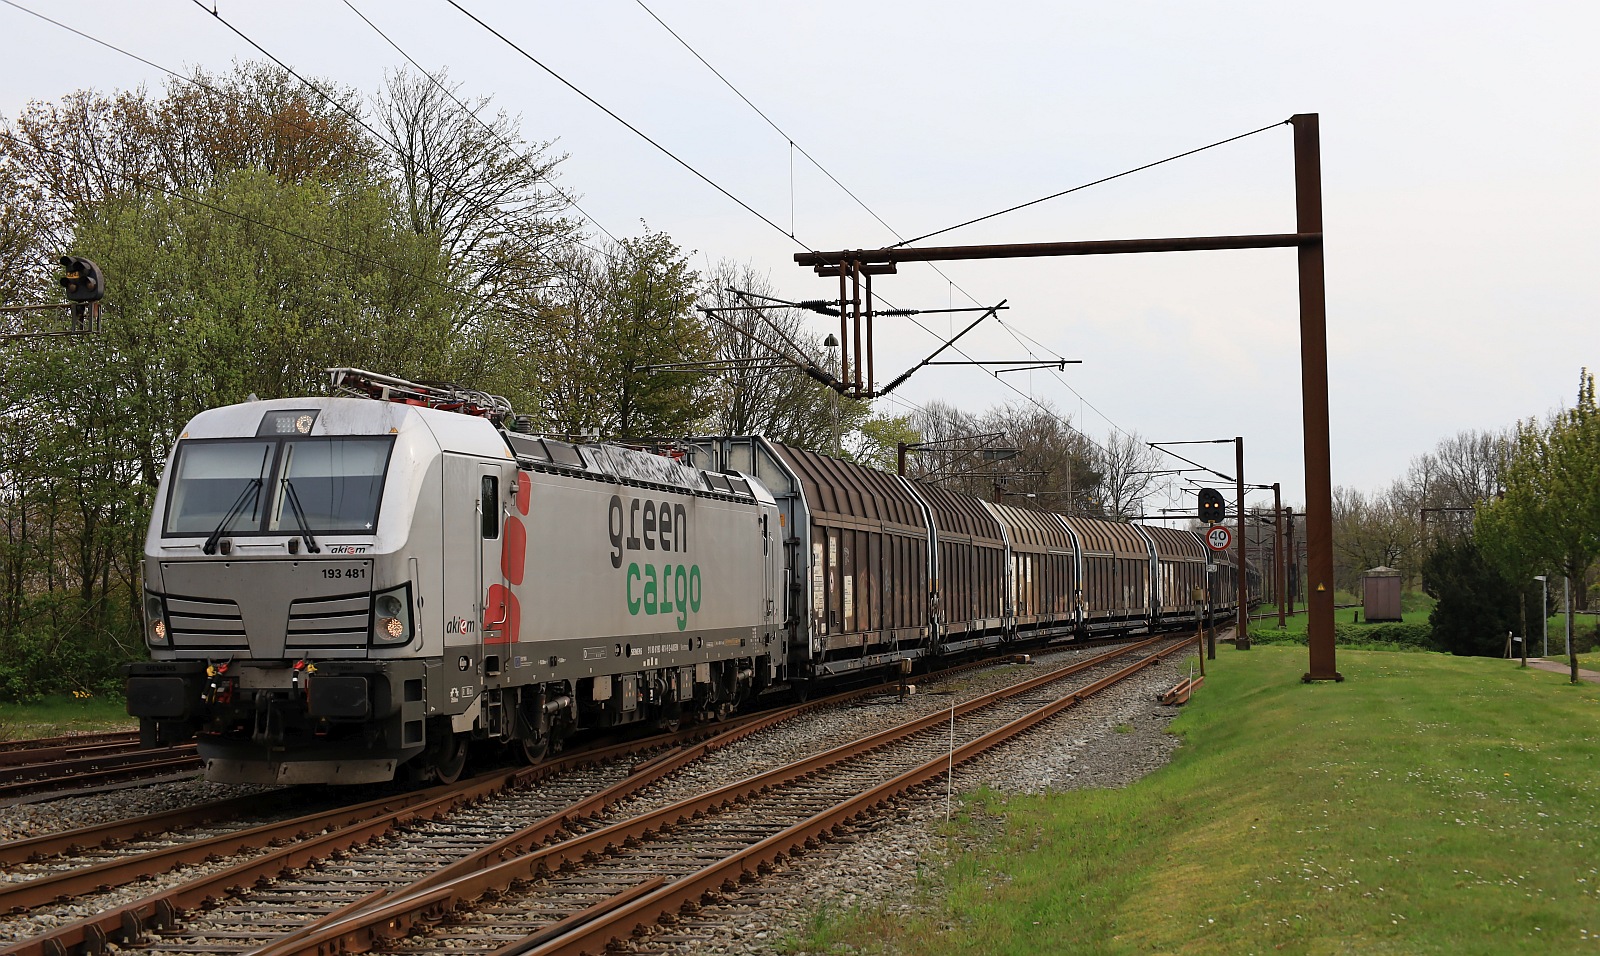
x,y
1110,740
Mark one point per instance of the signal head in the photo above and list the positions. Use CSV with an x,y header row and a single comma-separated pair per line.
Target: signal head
x,y
82,280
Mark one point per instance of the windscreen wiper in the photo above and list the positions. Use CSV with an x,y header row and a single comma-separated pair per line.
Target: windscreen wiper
x,y
300,517
252,487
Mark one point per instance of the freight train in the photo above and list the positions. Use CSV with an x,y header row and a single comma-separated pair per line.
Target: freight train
x,y
352,588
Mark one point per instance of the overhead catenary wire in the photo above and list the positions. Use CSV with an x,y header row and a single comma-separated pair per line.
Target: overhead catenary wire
x,y
634,129
795,146
1083,186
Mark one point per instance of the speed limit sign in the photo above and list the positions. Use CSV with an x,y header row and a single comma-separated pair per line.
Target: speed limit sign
x,y
1218,538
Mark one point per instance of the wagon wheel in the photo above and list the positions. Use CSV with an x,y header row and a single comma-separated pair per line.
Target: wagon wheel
x,y
533,751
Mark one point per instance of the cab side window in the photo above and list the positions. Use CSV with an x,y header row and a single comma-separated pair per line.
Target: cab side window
x,y
489,506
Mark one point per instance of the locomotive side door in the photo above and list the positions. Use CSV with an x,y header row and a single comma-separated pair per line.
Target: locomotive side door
x,y
476,605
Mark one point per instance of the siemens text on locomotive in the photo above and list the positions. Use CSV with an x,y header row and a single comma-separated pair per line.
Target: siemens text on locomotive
x,y
340,589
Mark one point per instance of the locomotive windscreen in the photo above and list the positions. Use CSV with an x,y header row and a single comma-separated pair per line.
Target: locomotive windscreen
x,y
338,483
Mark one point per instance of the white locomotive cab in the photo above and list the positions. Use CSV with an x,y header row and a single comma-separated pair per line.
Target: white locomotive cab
x,y
293,584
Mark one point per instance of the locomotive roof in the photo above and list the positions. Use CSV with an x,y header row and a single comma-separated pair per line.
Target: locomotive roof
x,y
629,466
353,416
470,434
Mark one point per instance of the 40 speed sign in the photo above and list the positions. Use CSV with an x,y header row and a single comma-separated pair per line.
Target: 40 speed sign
x,y
1218,538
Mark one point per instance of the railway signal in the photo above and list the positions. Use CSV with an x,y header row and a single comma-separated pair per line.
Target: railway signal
x,y
84,285
1212,508
82,280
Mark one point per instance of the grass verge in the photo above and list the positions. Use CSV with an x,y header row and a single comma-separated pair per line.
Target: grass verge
x,y
63,714
1428,804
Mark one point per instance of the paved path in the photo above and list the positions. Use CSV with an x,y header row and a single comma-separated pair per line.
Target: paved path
x,y
1561,667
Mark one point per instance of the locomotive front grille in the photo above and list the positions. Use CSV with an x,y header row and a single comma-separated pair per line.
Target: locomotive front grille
x,y
275,608
202,622
339,621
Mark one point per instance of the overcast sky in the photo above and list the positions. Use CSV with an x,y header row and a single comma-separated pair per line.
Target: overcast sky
x,y
1461,179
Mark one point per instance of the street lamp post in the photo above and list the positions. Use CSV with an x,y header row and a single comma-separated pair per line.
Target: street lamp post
x,y
1544,604
831,343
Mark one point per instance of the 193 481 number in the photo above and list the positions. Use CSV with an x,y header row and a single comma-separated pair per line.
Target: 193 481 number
x,y
357,572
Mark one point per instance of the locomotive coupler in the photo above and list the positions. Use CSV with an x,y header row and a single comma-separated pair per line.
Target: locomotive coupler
x,y
268,730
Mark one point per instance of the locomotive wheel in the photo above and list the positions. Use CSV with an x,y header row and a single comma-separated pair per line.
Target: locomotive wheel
x,y
450,759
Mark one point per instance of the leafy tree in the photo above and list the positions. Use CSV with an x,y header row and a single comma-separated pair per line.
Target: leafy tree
x,y
876,443
1549,516
603,336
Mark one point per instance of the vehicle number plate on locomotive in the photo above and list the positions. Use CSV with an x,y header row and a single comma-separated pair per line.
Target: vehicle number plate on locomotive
x,y
352,572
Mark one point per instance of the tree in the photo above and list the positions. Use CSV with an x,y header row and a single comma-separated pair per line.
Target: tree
x,y
1370,531
1549,516
949,436
1126,463
1477,605
876,443
1054,461
603,337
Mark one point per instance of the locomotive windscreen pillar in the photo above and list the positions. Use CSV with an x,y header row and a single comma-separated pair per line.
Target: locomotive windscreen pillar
x,y
1314,399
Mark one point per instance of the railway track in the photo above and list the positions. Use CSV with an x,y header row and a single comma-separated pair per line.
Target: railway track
x,y
346,879
21,751
50,766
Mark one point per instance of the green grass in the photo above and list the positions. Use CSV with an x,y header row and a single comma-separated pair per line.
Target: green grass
x,y
1428,804
1584,625
63,714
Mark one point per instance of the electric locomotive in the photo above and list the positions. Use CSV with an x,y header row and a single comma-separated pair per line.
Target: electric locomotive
x,y
337,589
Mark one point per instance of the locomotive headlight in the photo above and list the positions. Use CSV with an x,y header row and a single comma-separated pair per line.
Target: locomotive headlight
x,y
391,616
155,616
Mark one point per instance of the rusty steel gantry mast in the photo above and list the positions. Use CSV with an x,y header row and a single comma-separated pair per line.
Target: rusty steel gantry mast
x,y
855,269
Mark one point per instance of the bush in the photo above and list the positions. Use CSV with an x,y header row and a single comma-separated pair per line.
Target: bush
x,y
1398,635
41,661
1387,635
1477,605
